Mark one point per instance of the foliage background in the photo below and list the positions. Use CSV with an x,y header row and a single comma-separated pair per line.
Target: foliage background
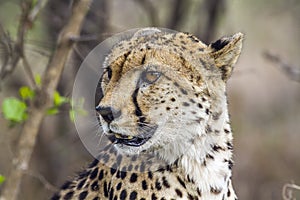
x,y
264,103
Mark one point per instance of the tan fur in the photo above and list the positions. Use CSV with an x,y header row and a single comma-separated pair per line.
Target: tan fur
x,y
189,152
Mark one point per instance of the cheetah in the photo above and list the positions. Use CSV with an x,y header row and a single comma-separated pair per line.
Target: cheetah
x,y
164,114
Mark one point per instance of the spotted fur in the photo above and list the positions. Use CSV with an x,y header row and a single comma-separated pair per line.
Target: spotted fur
x,y
164,110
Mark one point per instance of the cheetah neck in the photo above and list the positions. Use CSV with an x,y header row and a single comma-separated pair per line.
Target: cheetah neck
x,y
208,160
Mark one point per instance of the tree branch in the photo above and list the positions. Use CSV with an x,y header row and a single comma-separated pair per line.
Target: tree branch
x,y
292,72
287,191
43,99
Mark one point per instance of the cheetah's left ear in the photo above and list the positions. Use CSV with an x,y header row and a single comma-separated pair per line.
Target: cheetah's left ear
x,y
225,52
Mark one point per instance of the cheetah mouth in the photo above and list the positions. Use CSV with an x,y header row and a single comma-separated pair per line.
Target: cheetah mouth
x,y
134,141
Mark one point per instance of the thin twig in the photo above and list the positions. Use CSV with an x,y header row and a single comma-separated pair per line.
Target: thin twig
x,y
35,11
43,100
29,72
43,180
292,72
287,191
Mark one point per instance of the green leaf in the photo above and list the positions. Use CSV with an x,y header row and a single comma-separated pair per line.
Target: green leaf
x,y
58,99
72,115
52,111
2,179
77,109
26,93
38,79
14,109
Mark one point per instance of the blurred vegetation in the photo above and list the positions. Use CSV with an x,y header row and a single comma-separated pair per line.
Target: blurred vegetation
x,y
264,103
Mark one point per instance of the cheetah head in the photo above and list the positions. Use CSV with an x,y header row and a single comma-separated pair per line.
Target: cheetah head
x,y
158,89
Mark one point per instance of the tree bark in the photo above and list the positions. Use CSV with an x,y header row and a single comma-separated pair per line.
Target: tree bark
x,y
43,99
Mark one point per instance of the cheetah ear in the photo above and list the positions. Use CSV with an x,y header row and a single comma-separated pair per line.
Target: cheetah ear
x,y
225,52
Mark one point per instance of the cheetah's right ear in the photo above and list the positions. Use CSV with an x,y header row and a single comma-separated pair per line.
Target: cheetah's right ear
x,y
225,52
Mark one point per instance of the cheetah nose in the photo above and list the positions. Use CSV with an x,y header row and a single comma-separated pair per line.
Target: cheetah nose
x,y
108,113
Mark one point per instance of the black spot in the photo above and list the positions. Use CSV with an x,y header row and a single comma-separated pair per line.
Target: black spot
x,y
192,101
209,156
133,177
153,197
217,148
123,174
101,174
200,105
226,130
105,158
130,167
185,104
94,174
133,195
173,99
119,186
165,182
229,146
111,193
83,174
80,184
69,195
134,158
207,111
82,195
142,167
150,175
123,195
66,185
95,186
190,197
96,198
183,91
181,182
176,84
168,108
144,185
199,192
228,193
112,171
158,185
119,159
105,188
219,44
94,163
178,192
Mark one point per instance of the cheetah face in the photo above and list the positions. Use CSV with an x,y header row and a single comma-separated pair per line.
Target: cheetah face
x,y
149,108
156,95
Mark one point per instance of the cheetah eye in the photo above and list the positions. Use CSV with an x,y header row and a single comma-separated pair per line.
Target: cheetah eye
x,y
150,76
